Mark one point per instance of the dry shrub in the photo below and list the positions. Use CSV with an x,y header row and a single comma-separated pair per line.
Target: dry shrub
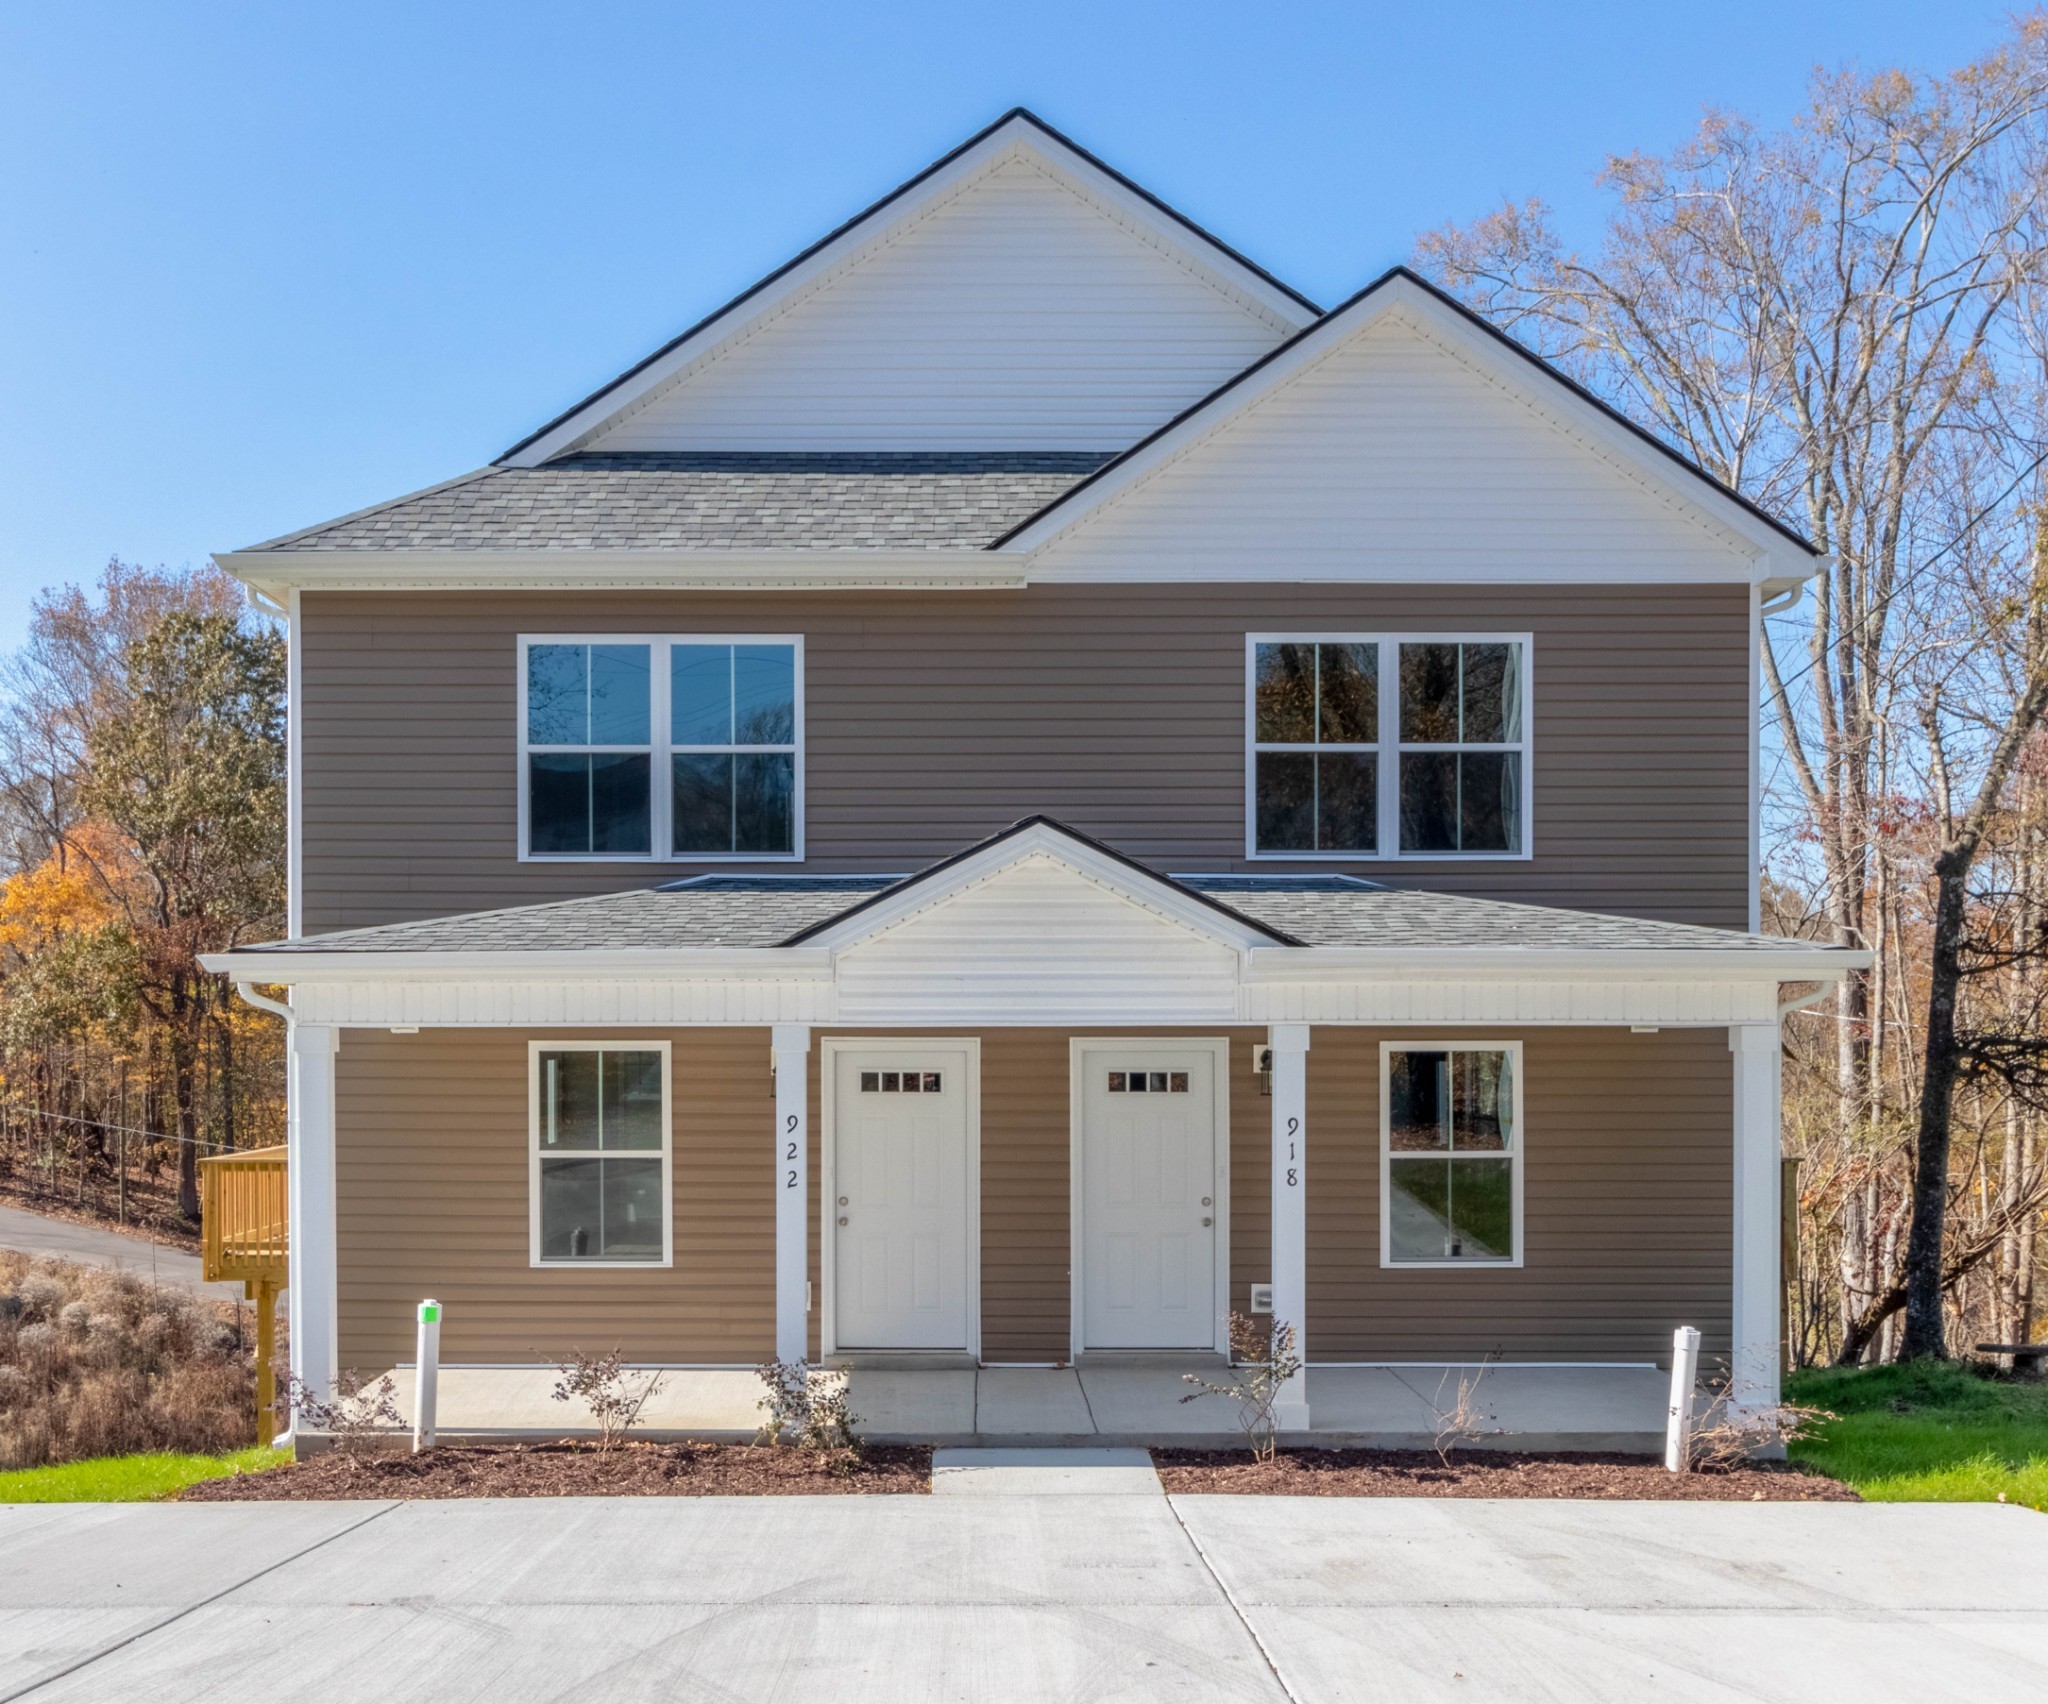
x,y
96,1363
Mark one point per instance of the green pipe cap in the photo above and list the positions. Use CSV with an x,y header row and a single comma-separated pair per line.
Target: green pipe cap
x,y
430,1313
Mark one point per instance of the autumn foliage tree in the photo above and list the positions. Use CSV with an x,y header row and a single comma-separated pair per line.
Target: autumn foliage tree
x,y
142,784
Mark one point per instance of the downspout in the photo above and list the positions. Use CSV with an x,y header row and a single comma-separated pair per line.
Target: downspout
x,y
1787,1007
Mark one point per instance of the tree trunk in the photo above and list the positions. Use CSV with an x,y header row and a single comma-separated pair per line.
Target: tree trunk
x,y
1941,1064
184,1087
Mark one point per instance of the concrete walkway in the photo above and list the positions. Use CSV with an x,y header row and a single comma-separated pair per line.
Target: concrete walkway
x,y
898,1600
1379,1407
35,1233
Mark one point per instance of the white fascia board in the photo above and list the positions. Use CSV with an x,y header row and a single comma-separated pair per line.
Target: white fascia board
x,y
1621,964
1017,137
638,964
1770,554
282,571
1128,884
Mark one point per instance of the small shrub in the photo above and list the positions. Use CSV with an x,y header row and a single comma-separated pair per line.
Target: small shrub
x,y
1727,1436
1462,1420
352,1416
1264,1360
604,1387
810,1408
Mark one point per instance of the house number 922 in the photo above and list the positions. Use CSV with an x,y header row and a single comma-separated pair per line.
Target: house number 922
x,y
790,1129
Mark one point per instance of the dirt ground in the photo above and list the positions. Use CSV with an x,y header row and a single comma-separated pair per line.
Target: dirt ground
x,y
579,1470
1484,1473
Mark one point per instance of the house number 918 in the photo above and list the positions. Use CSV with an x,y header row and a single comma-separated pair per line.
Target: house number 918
x,y
1293,1173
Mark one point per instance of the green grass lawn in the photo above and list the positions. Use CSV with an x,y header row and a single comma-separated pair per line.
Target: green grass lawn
x,y
1928,1432
129,1479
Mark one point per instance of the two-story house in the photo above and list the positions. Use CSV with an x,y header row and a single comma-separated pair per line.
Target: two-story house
x,y
1021,787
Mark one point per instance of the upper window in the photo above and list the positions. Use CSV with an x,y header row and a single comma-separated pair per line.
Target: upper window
x,y
600,1180
1364,747
661,747
1450,1155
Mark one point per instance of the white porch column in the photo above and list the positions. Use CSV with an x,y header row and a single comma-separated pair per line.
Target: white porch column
x,y
309,1184
1290,1214
1755,1321
792,1054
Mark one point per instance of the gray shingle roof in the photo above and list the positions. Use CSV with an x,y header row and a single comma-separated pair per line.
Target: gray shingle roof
x,y
765,911
1344,912
715,501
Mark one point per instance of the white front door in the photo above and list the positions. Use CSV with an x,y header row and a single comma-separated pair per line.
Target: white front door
x,y
899,1201
1148,1197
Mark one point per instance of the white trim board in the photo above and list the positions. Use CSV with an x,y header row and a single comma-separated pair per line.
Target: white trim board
x,y
829,1048
1078,1049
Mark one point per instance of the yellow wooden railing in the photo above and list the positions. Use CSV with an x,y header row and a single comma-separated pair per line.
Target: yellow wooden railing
x,y
244,1212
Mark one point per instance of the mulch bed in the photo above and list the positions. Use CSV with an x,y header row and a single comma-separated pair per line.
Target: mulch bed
x,y
1487,1473
578,1470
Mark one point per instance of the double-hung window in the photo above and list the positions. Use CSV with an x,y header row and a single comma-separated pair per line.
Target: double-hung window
x,y
669,747
600,1153
1450,1154
1363,746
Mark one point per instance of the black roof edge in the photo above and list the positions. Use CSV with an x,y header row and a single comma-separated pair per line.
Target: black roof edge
x,y
1016,828
944,160
1438,293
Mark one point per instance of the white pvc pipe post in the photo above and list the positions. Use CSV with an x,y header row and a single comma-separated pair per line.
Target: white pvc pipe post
x,y
1685,1371
426,1386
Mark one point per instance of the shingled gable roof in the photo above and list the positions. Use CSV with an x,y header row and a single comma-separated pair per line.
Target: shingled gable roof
x,y
1277,365
1017,127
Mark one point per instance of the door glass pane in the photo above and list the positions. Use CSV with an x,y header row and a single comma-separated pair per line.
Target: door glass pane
x,y
1489,806
1418,1101
620,820
1493,695
700,694
1284,800
632,1099
632,1209
570,1209
618,695
1348,694
764,694
1347,801
764,801
1284,694
557,695
1429,801
1429,694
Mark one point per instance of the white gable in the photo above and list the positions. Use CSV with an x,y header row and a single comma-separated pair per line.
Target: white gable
x,y
1039,941
1409,449
1014,314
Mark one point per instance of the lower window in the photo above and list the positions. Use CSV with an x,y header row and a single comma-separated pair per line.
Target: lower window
x,y
600,1154
1450,1154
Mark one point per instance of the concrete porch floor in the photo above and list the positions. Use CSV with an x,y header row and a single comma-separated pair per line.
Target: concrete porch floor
x,y
1390,1407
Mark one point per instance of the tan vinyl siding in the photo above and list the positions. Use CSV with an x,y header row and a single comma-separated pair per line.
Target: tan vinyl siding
x,y
1628,1206
934,719
1627,1214
431,1151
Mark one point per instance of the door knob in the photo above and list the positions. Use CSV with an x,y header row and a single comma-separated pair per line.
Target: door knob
x,y
1205,1201
842,1201
842,1218
1205,1221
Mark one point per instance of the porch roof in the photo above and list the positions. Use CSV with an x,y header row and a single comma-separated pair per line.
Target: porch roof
x,y
768,912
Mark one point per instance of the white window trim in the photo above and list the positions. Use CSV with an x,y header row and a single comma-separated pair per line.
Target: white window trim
x,y
618,1044
1516,1153
661,780
1389,748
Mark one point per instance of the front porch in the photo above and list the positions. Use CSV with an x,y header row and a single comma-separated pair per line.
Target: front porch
x,y
1384,1407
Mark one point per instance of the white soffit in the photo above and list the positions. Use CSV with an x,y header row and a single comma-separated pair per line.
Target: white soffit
x,y
1757,549
1016,138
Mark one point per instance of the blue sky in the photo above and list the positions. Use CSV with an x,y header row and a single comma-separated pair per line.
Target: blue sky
x,y
262,264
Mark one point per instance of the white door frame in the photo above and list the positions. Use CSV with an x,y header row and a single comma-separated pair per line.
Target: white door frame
x,y
1078,1048
829,1050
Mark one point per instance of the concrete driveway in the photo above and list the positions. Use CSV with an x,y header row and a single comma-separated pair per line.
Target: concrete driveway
x,y
1038,1595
